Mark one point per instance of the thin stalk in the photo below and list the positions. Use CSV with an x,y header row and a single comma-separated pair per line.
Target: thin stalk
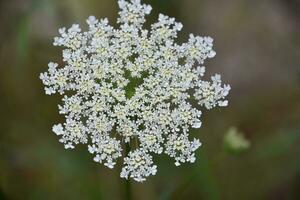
x,y
128,192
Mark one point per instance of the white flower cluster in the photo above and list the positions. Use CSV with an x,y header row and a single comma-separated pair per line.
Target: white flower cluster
x,y
131,86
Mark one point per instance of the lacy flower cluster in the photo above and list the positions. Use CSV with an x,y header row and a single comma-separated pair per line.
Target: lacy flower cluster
x,y
132,87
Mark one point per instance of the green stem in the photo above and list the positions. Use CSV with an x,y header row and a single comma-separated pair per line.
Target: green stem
x,y
128,194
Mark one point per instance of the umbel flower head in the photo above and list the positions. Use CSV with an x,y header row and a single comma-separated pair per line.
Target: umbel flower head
x,y
132,87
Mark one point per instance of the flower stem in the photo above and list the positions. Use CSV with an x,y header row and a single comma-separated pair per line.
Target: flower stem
x,y
128,194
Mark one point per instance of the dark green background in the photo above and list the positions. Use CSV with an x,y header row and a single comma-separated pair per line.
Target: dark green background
x,y
258,51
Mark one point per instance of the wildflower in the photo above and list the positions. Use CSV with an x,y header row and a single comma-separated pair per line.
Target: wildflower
x,y
131,86
235,142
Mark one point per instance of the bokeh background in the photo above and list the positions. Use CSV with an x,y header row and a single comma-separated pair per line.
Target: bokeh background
x,y
258,51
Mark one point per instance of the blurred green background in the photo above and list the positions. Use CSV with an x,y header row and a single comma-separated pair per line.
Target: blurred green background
x,y
250,149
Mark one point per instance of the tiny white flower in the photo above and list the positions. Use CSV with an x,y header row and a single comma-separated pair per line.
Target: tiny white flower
x,y
223,103
197,124
58,129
